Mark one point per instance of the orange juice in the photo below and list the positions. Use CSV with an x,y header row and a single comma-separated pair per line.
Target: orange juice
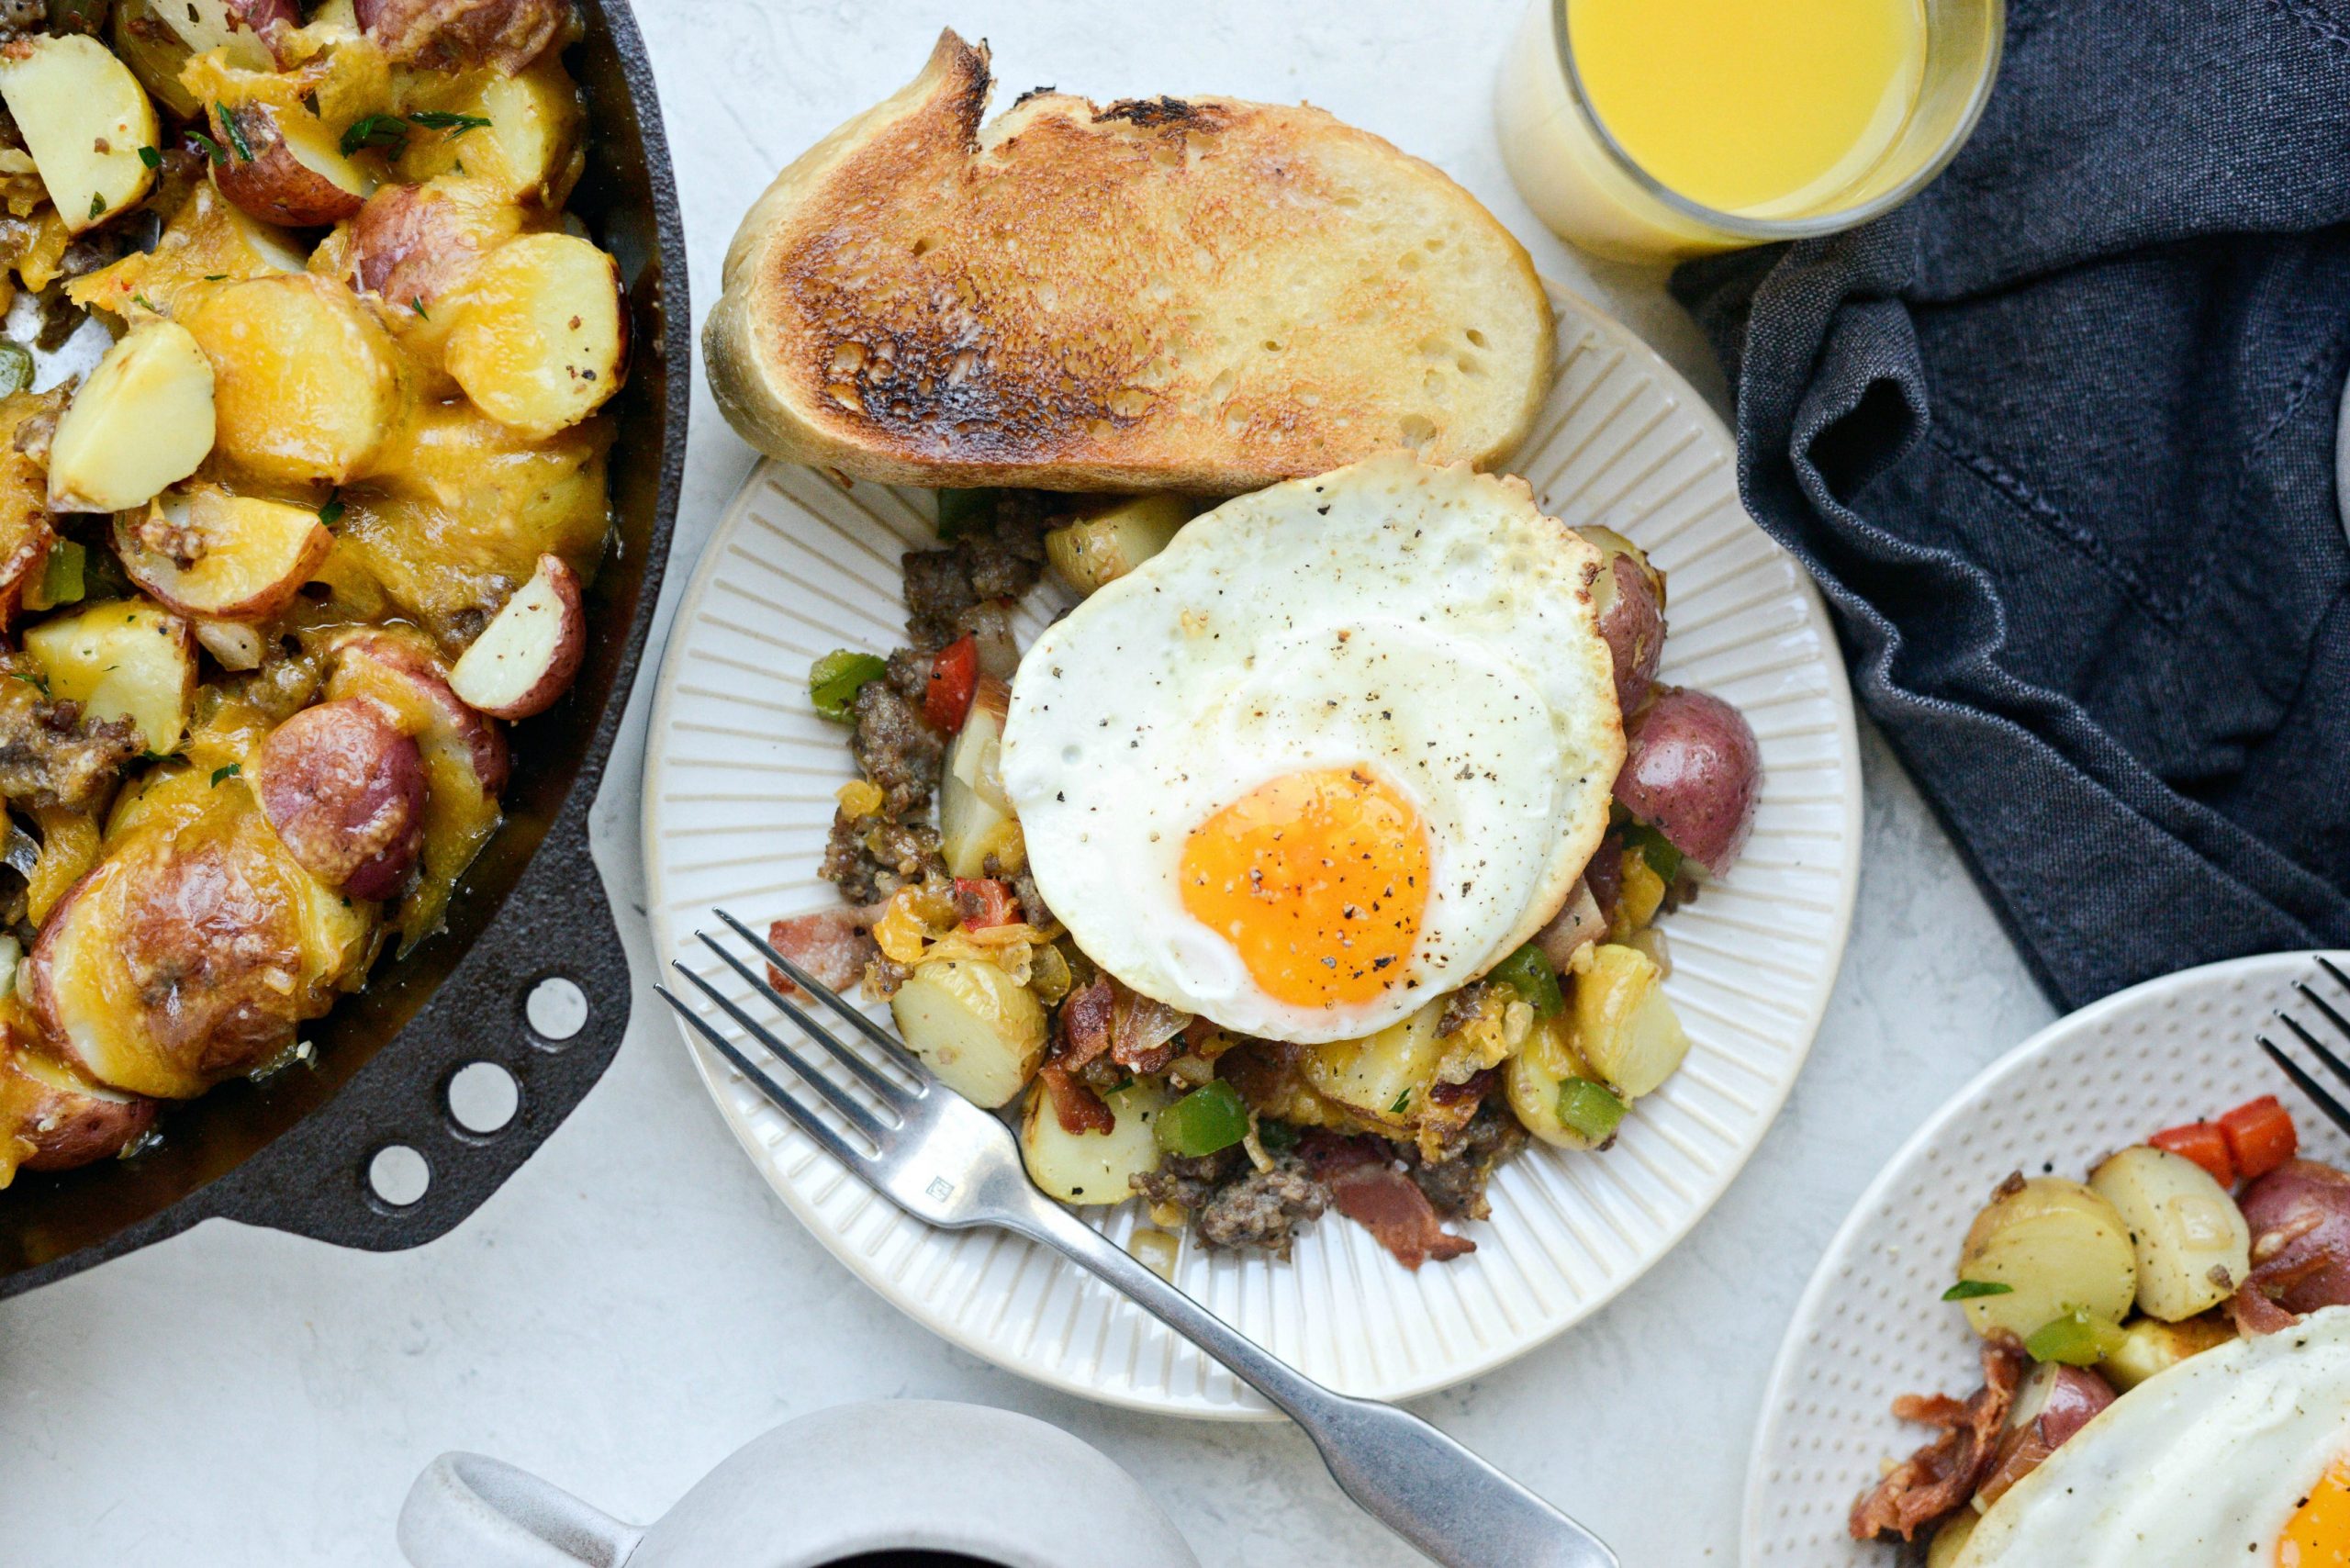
x,y
1761,107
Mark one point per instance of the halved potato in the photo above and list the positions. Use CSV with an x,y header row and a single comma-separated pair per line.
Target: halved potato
x,y
247,30
83,118
1545,1064
208,243
2058,1246
533,146
413,245
1104,543
455,35
194,949
1381,1078
540,339
2150,1346
256,554
978,1029
1624,1026
974,814
143,421
1088,1167
527,657
306,383
345,791
2194,1248
296,173
54,1118
122,658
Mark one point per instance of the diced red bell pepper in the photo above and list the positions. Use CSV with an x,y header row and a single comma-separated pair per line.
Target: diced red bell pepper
x,y
954,676
2261,1136
982,901
2204,1143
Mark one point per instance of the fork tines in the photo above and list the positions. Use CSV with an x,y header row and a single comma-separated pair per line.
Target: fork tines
x,y
895,1098
2339,1023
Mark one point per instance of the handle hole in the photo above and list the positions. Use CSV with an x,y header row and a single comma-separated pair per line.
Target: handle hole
x,y
398,1176
482,1098
557,1009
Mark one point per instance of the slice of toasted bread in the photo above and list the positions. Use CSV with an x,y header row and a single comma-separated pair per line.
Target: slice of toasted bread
x,y
1201,295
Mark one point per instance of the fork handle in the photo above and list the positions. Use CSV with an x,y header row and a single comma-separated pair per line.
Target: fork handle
x,y
1423,1486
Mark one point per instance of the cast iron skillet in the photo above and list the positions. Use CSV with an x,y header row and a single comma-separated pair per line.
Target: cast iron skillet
x,y
293,1153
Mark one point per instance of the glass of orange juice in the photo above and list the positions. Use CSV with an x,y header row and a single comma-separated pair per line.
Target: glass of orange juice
x,y
1652,129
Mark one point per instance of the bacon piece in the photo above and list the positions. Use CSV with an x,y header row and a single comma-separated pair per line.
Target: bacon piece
x,y
2256,1312
1078,1109
1084,1023
1367,1188
832,944
1944,1474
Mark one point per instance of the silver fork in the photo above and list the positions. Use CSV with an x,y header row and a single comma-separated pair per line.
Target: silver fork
x,y
2335,1110
949,1163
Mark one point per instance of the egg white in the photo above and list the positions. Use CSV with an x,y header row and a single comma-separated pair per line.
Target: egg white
x,y
1428,622
2205,1463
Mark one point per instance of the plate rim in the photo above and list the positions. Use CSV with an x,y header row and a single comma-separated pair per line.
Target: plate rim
x,y
2056,1034
707,1063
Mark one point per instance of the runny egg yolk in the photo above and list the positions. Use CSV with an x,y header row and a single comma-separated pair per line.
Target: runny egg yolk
x,y
1319,880
2318,1535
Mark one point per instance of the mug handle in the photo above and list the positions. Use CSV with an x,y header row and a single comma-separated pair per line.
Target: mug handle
x,y
469,1511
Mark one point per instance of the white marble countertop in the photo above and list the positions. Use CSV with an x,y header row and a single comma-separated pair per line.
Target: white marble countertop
x,y
635,1305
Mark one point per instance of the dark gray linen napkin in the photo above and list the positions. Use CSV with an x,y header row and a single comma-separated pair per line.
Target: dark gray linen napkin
x,y
2057,441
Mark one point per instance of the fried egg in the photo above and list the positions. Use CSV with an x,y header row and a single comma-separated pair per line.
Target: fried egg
x,y
2239,1455
1341,747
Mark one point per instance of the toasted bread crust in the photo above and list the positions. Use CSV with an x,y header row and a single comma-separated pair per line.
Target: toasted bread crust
x,y
1200,294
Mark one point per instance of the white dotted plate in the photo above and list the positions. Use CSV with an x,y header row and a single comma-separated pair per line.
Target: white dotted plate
x,y
1870,1326
738,796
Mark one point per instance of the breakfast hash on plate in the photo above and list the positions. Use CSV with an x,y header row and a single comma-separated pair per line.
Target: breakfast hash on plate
x,y
275,574
2166,1353
1313,860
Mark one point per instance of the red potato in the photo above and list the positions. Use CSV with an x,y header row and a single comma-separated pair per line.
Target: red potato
x,y
2055,1402
455,35
345,790
177,962
1693,771
408,682
527,656
1630,597
464,759
540,335
60,1117
296,177
254,555
2300,1214
414,244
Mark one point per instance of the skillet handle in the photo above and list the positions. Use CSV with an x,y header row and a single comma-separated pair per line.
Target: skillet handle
x,y
313,1179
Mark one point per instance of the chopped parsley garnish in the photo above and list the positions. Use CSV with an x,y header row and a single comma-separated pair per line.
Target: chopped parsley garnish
x,y
1968,1290
208,147
97,204
417,306
231,771
151,157
1401,1101
150,303
388,132
455,124
216,277
235,133
332,513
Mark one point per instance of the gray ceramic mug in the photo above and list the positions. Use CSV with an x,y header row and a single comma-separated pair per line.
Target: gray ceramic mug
x,y
900,1474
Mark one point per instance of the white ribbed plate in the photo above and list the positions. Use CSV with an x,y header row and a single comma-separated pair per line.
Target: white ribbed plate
x,y
738,796
1872,1325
